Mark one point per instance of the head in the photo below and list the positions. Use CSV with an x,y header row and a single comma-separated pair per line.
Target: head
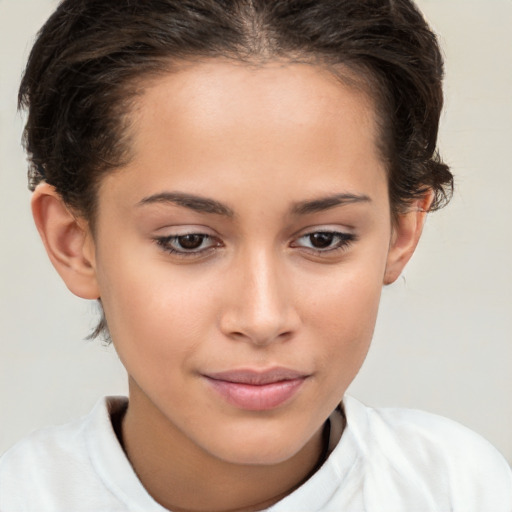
x,y
92,59
263,168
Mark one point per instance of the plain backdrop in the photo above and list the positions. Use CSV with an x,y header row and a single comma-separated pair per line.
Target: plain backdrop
x,y
443,341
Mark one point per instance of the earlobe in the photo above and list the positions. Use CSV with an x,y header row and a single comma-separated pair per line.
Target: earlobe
x,y
67,241
406,235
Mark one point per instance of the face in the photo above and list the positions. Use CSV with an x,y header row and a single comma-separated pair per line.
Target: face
x,y
240,255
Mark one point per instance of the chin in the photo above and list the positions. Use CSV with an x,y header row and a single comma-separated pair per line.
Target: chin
x,y
256,456
258,448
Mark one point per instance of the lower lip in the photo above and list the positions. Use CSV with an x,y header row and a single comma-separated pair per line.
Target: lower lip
x,y
257,398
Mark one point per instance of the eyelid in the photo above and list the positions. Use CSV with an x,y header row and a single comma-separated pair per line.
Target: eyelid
x,y
173,233
344,239
184,229
323,228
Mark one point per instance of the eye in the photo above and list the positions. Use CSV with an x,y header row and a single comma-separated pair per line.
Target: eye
x,y
325,241
187,244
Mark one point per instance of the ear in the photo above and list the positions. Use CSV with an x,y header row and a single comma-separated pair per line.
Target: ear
x,y
406,234
67,240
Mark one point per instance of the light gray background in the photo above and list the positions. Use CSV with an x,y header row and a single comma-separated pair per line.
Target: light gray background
x,y
443,341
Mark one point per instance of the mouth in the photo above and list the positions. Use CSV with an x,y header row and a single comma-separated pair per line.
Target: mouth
x,y
257,390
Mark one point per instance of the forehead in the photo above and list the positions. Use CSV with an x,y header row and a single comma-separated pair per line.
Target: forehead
x,y
219,121
219,93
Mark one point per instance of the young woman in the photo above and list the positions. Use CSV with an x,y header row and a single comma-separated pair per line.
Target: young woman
x,y
235,181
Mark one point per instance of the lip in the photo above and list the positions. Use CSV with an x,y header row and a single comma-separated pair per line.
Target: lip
x,y
257,390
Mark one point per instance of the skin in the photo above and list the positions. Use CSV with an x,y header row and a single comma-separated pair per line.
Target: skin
x,y
271,145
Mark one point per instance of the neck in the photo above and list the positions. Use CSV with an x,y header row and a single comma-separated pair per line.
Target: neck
x,y
182,477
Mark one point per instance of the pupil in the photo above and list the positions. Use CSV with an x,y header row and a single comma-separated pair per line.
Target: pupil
x,y
321,240
190,241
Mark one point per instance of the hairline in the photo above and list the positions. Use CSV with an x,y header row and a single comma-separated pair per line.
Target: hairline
x,y
355,76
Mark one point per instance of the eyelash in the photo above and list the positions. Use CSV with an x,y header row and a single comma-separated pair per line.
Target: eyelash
x,y
344,240
166,241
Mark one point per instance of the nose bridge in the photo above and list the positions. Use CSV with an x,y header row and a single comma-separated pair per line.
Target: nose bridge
x,y
263,276
260,310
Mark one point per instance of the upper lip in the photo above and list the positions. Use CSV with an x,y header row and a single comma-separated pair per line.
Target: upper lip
x,y
257,377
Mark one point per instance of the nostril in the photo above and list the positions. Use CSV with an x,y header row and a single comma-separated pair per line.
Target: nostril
x,y
260,337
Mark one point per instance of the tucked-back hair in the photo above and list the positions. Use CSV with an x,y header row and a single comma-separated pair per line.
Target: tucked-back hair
x,y
92,56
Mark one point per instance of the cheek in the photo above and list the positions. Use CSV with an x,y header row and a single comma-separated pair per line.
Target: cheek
x,y
348,316
155,315
342,313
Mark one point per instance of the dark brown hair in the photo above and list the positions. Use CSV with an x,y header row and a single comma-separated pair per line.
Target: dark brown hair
x,y
92,56
77,82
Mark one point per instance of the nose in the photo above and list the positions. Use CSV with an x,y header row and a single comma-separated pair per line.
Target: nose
x,y
259,308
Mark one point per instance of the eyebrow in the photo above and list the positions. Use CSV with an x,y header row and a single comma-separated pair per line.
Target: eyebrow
x,y
325,203
205,205
193,202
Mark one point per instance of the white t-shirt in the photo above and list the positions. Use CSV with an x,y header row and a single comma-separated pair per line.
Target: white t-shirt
x,y
388,460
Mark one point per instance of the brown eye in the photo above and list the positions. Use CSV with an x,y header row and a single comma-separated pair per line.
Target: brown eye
x,y
321,240
325,241
190,242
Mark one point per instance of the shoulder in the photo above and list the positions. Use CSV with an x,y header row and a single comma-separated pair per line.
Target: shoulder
x,y
443,455
45,446
439,436
54,461
63,443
